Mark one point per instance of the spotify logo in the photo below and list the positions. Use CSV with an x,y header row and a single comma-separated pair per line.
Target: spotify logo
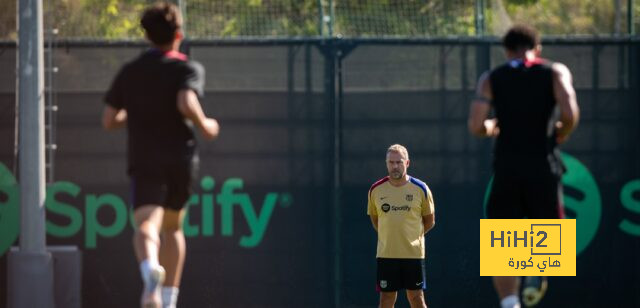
x,y
218,211
581,200
9,209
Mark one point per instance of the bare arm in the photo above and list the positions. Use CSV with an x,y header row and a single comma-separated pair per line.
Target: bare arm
x,y
113,118
478,123
374,221
189,106
428,222
565,96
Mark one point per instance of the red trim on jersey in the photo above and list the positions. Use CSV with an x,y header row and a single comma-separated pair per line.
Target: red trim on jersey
x,y
172,54
378,183
531,62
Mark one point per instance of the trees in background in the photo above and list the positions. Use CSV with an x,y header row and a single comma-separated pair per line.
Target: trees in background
x,y
118,19
8,20
559,17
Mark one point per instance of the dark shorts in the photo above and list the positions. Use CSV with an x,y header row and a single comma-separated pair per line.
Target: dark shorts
x,y
396,274
533,197
166,185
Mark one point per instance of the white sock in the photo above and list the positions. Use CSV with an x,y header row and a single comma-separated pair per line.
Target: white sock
x,y
169,297
511,301
145,269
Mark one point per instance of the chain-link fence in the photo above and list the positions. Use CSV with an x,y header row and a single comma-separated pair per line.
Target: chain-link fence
x,y
118,19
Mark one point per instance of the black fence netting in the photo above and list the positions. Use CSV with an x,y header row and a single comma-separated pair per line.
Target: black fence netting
x,y
278,216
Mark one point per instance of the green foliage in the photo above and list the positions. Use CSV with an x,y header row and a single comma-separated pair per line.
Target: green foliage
x,y
569,17
231,18
405,18
8,20
110,19
119,19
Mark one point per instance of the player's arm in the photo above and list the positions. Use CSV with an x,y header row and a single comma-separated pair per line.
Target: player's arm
x,y
479,124
428,211
371,210
374,221
114,115
113,118
565,96
190,107
428,222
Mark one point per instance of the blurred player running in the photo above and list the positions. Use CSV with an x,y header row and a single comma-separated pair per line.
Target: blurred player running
x,y
536,109
156,97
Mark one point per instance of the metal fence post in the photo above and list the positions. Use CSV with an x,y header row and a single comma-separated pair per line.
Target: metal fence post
x,y
630,21
479,18
31,268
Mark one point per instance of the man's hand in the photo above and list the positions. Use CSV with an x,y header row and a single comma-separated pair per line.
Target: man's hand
x,y
189,106
565,96
210,128
491,127
113,118
478,122
428,222
561,135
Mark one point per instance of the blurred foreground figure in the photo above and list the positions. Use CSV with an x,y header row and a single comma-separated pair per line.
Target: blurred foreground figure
x,y
156,97
535,110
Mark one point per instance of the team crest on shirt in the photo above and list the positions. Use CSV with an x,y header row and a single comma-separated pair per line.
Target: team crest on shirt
x,y
385,207
409,198
383,284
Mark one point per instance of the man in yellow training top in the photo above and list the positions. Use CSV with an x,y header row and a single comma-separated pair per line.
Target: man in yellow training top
x,y
401,210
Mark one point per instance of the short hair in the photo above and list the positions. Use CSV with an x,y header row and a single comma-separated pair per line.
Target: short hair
x,y
521,37
161,22
398,148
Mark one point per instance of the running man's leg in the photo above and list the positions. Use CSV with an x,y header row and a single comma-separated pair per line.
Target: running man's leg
x,y
543,197
173,247
507,288
544,200
505,202
146,244
416,298
146,239
172,255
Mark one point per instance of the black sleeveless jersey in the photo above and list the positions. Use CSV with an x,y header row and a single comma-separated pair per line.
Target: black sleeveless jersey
x,y
148,89
526,110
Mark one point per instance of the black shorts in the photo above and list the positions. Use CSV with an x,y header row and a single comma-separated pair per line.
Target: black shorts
x,y
166,185
536,196
396,274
